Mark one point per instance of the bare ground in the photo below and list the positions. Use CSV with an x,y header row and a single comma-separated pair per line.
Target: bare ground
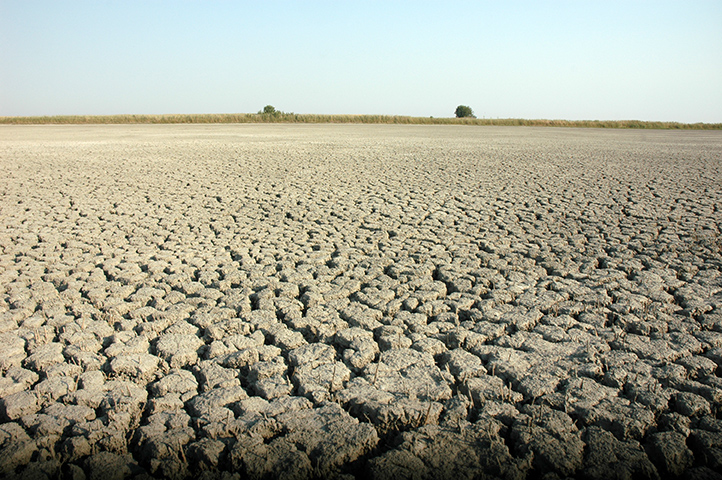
x,y
300,301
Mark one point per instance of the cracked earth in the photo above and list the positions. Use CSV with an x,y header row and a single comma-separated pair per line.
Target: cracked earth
x,y
359,301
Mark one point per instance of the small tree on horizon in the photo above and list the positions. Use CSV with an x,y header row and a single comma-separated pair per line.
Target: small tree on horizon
x,y
462,111
269,109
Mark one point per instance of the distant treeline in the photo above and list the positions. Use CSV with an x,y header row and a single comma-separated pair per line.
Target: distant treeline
x,y
311,118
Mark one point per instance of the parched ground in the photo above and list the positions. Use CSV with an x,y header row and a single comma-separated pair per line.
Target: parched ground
x,y
369,301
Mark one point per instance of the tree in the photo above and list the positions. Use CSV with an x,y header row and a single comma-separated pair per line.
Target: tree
x,y
269,109
462,111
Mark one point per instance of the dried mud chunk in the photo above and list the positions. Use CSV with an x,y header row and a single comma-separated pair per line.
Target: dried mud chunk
x,y
239,342
266,353
86,397
648,392
252,405
535,343
123,396
532,374
71,413
596,320
16,447
169,402
256,414
110,466
645,347
707,447
698,366
510,364
45,427
85,341
668,450
250,423
360,353
273,387
361,316
359,391
320,324
261,370
228,328
710,390
412,320
140,366
673,421
397,465
690,404
91,380
685,343
87,360
18,405
211,375
216,423
399,415
217,349
177,381
164,451
143,313
12,351
670,375
488,388
190,288
538,384
606,457
392,336
45,356
178,350
409,373
552,437
182,328
63,370
431,346
240,359
202,404
206,453
278,459
53,388
204,316
583,394
456,411
626,420
287,339
433,452
259,318
312,355
320,382
329,435
15,380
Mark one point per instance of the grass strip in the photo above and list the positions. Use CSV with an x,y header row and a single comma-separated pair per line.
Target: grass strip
x,y
279,117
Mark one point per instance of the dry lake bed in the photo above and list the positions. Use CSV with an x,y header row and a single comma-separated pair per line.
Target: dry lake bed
x,y
359,301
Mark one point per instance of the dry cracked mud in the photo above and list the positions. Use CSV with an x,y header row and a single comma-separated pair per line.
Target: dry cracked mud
x,y
340,301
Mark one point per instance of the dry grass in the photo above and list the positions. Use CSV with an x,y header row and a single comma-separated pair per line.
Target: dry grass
x,y
311,118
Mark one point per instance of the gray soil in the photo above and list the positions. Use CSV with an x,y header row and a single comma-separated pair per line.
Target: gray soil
x,y
340,301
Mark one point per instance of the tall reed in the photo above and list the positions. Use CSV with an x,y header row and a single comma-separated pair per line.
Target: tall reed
x,y
314,118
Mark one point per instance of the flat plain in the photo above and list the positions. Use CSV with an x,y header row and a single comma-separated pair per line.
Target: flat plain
x,y
369,301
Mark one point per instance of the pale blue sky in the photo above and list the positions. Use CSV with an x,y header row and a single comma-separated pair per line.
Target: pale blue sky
x,y
647,60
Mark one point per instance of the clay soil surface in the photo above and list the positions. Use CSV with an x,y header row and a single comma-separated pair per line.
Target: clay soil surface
x,y
368,301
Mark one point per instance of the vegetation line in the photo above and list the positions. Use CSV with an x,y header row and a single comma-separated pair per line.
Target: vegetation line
x,y
280,117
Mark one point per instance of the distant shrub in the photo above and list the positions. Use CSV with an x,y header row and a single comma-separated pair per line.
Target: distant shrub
x,y
462,111
269,110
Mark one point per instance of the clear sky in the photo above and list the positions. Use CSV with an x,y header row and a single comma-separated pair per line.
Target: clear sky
x,y
606,60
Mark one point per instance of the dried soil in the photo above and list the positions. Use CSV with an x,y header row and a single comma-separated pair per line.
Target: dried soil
x,y
318,301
